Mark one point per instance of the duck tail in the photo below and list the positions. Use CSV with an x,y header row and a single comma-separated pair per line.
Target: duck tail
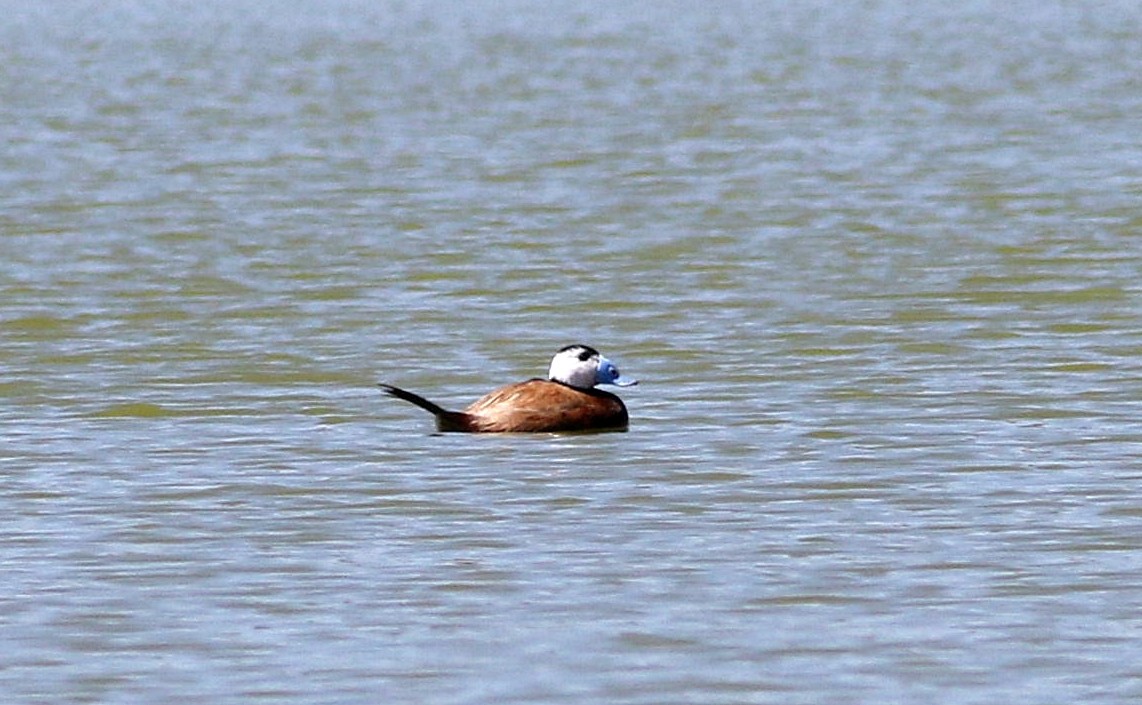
x,y
445,420
413,399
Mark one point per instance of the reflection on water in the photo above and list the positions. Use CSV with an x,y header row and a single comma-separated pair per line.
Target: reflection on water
x,y
873,264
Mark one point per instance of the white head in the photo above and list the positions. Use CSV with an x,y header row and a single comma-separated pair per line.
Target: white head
x,y
583,367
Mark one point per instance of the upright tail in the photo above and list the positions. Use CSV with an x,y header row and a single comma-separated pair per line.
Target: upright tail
x,y
445,420
413,399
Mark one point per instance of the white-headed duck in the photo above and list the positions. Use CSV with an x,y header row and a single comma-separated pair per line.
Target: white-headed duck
x,y
566,401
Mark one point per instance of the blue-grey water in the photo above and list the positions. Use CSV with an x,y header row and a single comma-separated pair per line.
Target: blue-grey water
x,y
878,265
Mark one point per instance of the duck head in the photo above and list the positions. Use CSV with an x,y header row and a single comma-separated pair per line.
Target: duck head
x,y
583,367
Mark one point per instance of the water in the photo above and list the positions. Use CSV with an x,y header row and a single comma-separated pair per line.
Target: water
x,y
875,263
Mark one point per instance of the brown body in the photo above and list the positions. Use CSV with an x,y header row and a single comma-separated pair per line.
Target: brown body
x,y
534,406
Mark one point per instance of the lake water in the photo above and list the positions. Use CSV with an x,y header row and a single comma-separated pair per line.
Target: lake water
x,y
877,263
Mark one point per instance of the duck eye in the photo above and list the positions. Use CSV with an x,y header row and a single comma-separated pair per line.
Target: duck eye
x,y
585,355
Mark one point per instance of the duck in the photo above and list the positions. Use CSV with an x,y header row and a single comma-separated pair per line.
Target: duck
x,y
566,401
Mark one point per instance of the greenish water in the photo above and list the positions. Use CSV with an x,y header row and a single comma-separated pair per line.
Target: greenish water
x,y
876,265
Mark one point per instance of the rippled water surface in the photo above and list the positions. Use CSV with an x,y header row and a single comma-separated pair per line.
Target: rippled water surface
x,y
877,265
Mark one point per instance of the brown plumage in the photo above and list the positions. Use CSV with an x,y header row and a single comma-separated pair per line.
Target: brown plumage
x,y
534,406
